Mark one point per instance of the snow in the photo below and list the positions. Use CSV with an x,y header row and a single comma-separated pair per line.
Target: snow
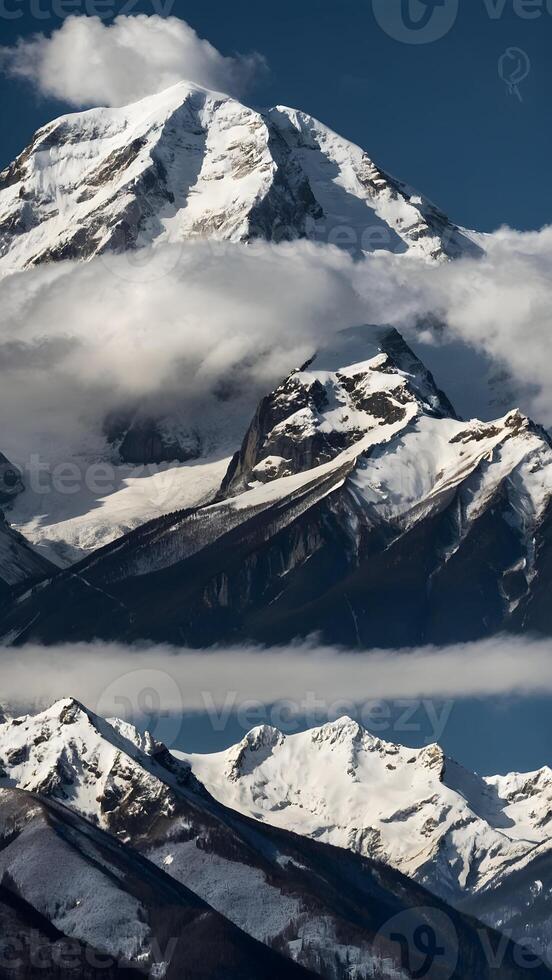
x,y
208,524
67,527
228,886
392,445
526,795
81,900
412,808
90,905
454,831
423,468
68,753
209,165
210,162
335,168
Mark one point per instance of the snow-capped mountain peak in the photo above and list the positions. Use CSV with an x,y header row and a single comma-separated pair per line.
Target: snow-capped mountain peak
x,y
257,744
189,163
368,383
71,754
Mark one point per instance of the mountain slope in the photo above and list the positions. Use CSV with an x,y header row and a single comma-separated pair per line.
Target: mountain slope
x,y
482,844
66,528
30,945
83,882
326,908
188,163
10,480
19,562
357,491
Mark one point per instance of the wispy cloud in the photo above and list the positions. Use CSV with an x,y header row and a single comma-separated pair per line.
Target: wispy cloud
x,y
87,62
223,320
500,306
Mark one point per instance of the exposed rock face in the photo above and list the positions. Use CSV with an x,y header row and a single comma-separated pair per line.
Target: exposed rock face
x,y
143,441
188,163
10,480
20,564
315,415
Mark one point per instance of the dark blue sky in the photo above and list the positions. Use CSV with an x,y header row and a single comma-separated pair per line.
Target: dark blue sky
x,y
436,114
489,735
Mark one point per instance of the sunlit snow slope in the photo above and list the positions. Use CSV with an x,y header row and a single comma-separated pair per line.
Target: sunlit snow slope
x,y
193,163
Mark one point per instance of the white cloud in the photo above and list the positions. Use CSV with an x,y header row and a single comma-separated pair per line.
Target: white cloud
x,y
499,306
87,62
112,679
80,340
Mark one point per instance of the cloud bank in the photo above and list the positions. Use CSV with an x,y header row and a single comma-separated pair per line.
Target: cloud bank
x,y
202,329
212,326
87,62
115,680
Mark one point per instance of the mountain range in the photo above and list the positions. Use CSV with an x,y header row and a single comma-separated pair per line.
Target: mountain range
x,y
354,463
115,842
187,164
482,844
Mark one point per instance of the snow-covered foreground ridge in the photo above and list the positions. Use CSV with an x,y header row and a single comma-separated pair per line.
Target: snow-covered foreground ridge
x,y
193,163
336,784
